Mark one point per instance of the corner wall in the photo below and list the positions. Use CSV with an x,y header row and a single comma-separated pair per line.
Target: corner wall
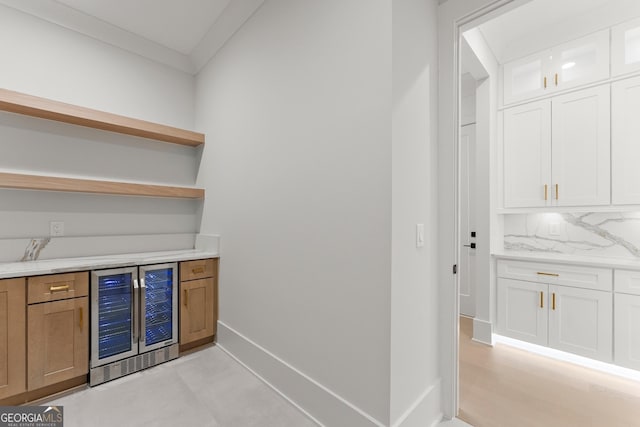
x,y
297,107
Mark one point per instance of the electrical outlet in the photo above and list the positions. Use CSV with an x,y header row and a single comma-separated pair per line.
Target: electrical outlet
x,y
56,228
554,229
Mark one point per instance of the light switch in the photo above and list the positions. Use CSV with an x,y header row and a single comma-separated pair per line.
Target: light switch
x,y
56,229
419,235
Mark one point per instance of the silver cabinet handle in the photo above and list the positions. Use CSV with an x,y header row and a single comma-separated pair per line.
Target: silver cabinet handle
x,y
143,309
136,294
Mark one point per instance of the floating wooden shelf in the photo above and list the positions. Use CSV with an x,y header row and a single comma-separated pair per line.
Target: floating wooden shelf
x,y
49,183
28,105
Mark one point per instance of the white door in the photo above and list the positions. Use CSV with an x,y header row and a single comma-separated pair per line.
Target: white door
x,y
522,310
527,155
627,331
581,322
625,149
467,220
625,47
581,61
581,148
525,78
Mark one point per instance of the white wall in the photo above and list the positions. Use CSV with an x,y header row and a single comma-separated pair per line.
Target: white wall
x,y
415,392
46,60
297,109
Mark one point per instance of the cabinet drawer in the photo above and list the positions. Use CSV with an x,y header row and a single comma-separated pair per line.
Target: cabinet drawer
x,y
627,281
600,279
57,287
198,269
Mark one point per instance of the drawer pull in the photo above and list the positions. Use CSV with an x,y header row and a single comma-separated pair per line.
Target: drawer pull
x,y
80,315
60,288
548,274
541,299
197,270
186,298
553,301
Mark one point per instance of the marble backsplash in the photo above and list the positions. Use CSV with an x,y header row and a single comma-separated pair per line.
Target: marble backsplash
x,y
607,234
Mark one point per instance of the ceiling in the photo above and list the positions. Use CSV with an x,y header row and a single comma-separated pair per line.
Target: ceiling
x,y
540,24
183,34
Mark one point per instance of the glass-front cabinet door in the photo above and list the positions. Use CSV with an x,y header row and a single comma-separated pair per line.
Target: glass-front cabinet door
x,y
525,78
159,306
581,61
114,309
625,47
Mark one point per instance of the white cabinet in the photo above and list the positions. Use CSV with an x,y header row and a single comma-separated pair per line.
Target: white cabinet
x,y
627,331
625,48
542,310
556,151
581,322
522,311
625,149
571,64
527,155
581,148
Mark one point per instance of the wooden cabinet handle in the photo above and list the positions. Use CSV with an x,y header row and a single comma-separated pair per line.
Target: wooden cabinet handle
x,y
553,301
557,195
59,288
545,82
80,316
197,270
541,299
186,298
556,79
548,274
545,191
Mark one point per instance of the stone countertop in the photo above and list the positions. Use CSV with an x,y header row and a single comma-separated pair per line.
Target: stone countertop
x,y
622,263
66,265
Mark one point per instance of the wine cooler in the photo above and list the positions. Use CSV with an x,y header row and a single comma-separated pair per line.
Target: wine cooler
x,y
134,320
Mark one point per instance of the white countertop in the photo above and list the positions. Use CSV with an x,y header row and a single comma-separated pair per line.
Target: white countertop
x,y
570,259
52,266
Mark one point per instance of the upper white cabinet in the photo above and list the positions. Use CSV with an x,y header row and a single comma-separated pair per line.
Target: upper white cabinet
x,y
625,48
557,151
527,155
571,64
625,149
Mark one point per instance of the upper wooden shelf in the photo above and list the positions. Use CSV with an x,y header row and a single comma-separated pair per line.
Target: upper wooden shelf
x,y
50,183
16,102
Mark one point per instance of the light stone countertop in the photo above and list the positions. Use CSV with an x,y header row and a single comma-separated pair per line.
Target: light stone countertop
x,y
65,265
621,263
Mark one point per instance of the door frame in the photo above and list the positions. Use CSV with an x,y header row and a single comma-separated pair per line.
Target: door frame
x,y
454,18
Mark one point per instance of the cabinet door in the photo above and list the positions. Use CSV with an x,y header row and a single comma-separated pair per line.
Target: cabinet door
x,y
58,335
522,310
525,78
627,330
581,322
625,47
527,155
625,132
197,310
581,61
12,337
581,148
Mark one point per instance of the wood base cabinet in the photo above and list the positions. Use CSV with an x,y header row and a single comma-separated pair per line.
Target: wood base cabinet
x,y
57,328
12,337
198,302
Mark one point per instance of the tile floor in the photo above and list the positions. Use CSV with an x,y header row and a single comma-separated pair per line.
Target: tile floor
x,y
204,388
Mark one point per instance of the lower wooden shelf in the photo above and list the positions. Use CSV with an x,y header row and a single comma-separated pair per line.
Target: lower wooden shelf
x,y
50,183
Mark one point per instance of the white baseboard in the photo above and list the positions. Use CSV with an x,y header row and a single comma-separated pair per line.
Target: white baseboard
x,y
425,411
482,331
322,405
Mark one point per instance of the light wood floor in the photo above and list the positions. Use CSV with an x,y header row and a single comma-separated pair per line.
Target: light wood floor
x,y
506,387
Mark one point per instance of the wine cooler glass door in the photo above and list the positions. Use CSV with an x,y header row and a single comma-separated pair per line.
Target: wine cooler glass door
x,y
114,306
159,306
